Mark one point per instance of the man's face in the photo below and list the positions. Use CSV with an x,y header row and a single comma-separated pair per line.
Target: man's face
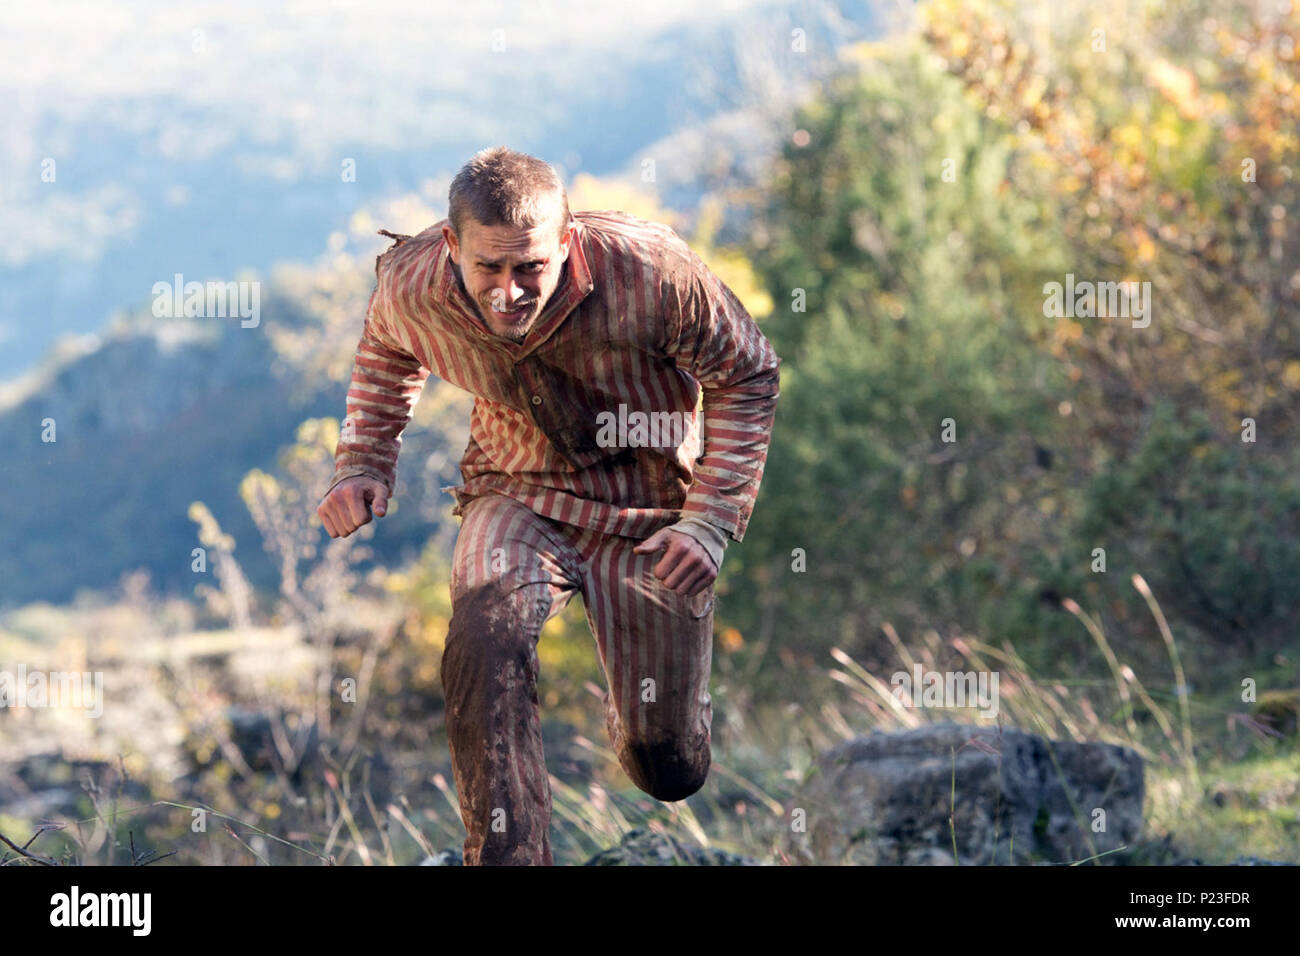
x,y
510,273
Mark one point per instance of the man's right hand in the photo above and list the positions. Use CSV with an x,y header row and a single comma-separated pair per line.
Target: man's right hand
x,y
348,505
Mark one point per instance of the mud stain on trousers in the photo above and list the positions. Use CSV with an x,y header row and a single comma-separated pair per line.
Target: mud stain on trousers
x,y
514,570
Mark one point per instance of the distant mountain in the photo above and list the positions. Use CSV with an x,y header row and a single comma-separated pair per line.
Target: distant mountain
x,y
146,423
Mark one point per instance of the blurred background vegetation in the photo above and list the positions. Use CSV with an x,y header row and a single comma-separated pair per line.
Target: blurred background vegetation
x,y
896,257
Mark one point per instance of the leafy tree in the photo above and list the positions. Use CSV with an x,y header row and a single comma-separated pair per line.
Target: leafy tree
x,y
1170,148
898,258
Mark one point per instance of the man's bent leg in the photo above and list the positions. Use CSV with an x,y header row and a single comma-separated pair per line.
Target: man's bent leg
x,y
507,580
656,647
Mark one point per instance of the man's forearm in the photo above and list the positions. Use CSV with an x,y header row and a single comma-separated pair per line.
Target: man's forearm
x,y
386,383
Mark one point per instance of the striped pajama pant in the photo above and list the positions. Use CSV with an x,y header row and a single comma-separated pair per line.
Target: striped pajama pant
x,y
513,570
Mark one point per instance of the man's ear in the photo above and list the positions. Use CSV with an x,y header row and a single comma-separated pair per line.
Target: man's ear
x,y
567,242
452,244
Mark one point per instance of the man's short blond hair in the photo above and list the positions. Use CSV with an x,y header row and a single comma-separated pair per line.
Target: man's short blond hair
x,y
502,187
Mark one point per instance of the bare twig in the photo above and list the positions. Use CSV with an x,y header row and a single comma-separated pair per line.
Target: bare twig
x,y
22,851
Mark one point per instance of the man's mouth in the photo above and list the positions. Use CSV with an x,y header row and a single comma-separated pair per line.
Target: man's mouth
x,y
517,314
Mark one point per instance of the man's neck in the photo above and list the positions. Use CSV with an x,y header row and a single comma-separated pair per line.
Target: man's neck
x,y
460,281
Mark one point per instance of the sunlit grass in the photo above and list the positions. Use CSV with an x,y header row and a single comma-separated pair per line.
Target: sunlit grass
x,y
1218,785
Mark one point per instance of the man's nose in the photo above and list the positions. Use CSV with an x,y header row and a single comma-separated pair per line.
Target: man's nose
x,y
516,292
510,293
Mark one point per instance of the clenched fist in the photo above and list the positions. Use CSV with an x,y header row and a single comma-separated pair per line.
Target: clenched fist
x,y
349,504
685,567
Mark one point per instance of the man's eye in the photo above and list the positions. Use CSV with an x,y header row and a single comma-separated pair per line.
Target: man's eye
x,y
533,267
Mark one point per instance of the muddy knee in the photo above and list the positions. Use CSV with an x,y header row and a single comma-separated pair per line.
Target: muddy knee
x,y
667,770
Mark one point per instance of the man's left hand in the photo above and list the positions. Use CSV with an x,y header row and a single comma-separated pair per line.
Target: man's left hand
x,y
685,567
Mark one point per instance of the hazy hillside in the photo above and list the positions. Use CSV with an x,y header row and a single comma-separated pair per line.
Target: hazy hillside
x,y
146,423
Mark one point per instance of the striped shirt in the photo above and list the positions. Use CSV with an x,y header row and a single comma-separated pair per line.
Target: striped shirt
x,y
639,333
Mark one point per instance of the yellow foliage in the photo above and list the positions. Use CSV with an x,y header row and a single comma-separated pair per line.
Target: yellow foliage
x,y
738,275
324,431
434,632
210,533
731,639
864,52
136,764
1073,330
1178,85
1129,135
258,481
589,192
1034,90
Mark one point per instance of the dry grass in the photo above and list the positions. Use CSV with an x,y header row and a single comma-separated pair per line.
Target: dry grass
x,y
358,773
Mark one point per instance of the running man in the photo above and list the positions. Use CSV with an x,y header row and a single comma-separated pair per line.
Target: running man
x,y
624,401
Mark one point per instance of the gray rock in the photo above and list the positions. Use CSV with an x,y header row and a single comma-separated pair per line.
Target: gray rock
x,y
1259,861
1239,861
640,847
1012,797
1163,851
250,732
444,858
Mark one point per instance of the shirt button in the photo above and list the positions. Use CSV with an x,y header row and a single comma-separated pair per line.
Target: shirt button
x,y
537,399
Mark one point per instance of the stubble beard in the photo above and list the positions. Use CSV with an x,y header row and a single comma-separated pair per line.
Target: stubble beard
x,y
516,331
